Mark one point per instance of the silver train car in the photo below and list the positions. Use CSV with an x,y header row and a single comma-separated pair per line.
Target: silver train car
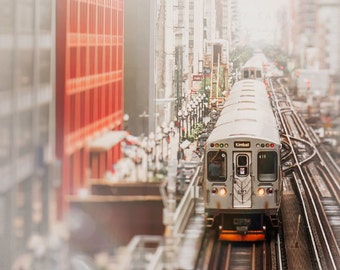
x,y
242,181
255,67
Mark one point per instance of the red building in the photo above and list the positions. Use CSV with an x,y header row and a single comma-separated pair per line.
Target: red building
x,y
89,91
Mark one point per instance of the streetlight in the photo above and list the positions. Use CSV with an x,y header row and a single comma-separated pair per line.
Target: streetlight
x,y
143,115
126,118
202,96
163,131
179,118
189,110
145,147
171,133
207,90
197,111
185,116
200,106
193,107
205,105
158,141
152,145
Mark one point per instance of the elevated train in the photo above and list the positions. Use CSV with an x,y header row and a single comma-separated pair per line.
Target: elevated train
x,y
255,67
242,181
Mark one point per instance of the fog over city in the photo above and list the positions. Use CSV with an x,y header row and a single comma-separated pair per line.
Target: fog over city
x,y
156,134
258,19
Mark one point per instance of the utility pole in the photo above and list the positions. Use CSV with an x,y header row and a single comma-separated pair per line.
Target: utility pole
x,y
179,76
168,216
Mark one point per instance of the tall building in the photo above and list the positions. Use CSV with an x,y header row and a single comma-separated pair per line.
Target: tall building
x,y
233,24
26,123
165,61
89,91
195,37
227,21
139,65
188,41
329,41
314,36
160,59
329,35
303,24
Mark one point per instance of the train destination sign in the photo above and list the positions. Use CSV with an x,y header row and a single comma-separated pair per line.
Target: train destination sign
x,y
242,144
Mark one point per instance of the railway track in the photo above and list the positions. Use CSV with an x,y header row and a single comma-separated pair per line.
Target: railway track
x,y
241,255
317,188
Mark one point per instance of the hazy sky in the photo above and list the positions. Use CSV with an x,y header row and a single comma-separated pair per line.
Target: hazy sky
x,y
258,18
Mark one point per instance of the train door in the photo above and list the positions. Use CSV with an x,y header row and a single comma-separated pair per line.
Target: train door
x,y
242,186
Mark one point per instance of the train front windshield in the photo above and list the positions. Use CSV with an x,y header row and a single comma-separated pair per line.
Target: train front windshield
x,y
217,166
267,166
246,74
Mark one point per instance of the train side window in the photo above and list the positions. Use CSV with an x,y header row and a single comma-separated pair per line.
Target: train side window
x,y
258,74
267,166
217,166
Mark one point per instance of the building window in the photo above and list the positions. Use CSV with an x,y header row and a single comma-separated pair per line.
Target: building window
x,y
44,66
6,60
5,142
43,124
6,15
26,16
45,16
24,133
37,205
26,68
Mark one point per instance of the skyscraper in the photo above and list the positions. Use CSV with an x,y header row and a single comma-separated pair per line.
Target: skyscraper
x,y
26,123
89,91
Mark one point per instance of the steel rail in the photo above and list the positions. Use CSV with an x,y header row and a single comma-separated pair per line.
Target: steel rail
x,y
315,250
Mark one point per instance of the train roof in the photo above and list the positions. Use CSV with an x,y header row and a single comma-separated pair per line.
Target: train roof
x,y
246,115
242,103
248,87
248,92
252,114
245,129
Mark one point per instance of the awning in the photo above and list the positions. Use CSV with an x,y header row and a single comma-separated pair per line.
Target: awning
x,y
132,140
185,144
106,141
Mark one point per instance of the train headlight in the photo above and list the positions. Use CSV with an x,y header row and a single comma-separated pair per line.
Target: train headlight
x,y
261,192
222,192
270,190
